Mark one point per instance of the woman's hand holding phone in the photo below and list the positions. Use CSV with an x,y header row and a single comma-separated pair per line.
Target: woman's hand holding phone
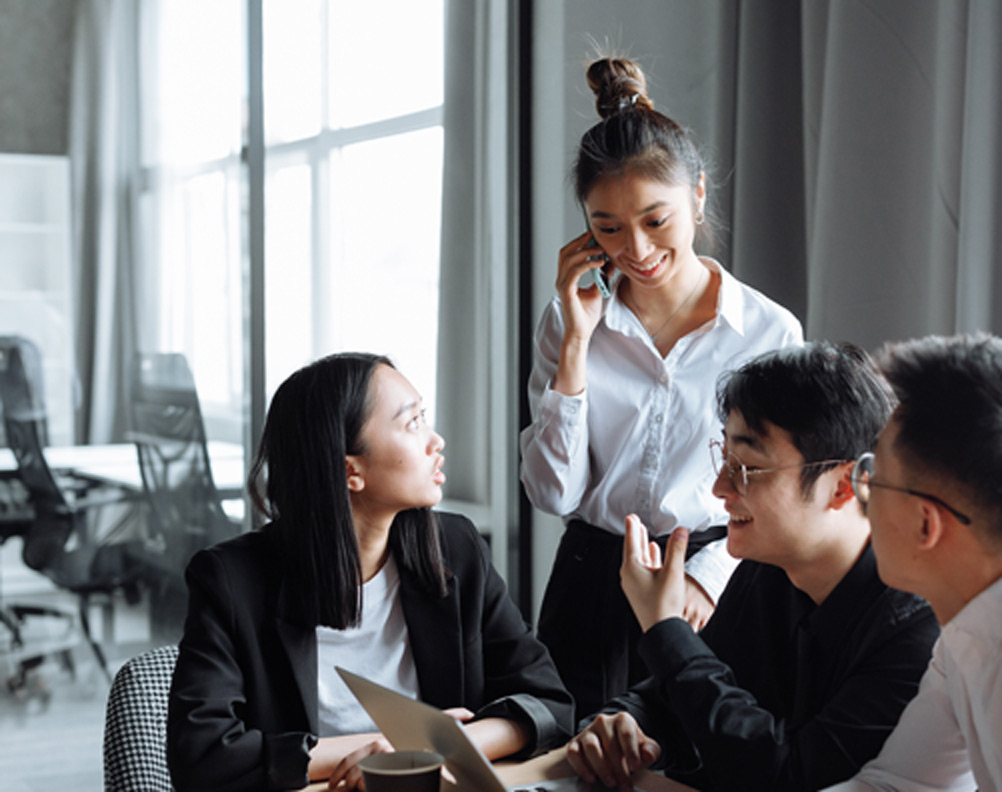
x,y
581,308
581,304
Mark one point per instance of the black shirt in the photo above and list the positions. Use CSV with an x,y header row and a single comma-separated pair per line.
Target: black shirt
x,y
779,693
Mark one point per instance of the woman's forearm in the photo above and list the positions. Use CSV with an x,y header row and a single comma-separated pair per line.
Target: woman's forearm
x,y
498,737
571,376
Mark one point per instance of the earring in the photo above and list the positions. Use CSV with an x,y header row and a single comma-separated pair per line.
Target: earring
x,y
700,217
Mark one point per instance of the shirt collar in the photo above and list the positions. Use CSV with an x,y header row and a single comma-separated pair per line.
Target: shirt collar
x,y
979,614
730,302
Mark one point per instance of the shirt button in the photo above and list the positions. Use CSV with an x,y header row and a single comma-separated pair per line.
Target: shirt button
x,y
657,418
663,378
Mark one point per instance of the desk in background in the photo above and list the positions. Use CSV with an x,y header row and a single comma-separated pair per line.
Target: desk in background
x,y
118,464
163,566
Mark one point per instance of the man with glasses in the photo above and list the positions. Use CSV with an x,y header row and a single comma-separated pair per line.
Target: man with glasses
x,y
809,659
933,490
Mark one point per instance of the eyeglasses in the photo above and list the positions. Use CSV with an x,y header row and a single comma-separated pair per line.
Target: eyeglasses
x,y
862,482
739,474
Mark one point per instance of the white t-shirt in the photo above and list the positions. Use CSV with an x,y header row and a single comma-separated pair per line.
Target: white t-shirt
x,y
378,648
637,439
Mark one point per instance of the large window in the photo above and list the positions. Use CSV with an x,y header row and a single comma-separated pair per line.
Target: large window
x,y
352,174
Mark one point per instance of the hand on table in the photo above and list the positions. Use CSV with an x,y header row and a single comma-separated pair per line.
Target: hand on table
x,y
611,749
347,771
346,752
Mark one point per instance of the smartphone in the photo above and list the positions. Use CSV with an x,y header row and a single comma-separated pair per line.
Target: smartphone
x,y
598,275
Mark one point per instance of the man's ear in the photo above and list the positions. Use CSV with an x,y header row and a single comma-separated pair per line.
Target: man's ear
x,y
356,481
843,493
934,528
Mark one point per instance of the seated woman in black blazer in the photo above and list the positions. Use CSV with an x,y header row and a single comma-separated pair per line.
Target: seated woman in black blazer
x,y
355,570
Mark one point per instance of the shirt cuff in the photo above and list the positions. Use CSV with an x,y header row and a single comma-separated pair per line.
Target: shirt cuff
x,y
712,567
544,730
569,409
669,646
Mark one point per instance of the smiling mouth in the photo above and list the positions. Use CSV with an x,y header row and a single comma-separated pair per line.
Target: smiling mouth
x,y
740,519
652,266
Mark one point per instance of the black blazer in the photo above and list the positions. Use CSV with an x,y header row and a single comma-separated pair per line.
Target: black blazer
x,y
243,701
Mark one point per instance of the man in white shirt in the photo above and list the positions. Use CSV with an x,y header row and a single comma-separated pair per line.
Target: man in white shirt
x,y
934,494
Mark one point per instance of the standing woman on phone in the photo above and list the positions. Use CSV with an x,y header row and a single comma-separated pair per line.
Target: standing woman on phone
x,y
622,387
353,570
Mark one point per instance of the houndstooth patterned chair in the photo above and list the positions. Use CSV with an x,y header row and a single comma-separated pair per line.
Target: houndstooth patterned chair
x,y
135,725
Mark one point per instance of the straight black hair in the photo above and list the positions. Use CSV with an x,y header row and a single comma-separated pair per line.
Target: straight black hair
x,y
950,415
299,481
829,397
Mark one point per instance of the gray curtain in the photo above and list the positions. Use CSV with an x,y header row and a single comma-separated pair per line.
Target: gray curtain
x,y
901,126
866,173
476,351
104,133
462,387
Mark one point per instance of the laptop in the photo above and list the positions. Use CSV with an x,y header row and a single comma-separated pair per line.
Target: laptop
x,y
413,725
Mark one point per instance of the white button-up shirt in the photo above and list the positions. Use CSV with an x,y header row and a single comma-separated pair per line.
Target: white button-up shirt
x,y
636,440
950,735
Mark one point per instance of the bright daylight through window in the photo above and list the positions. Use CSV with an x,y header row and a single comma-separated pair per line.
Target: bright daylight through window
x,y
353,173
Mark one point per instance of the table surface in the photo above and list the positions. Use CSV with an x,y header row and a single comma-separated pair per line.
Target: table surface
x,y
549,766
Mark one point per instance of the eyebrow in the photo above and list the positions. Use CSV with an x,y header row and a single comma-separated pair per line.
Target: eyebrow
x,y
645,210
749,440
406,407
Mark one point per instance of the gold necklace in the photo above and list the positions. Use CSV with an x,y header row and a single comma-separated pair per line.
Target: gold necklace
x,y
699,284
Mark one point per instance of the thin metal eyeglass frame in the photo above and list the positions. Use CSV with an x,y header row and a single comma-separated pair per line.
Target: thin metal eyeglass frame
x,y
864,467
742,488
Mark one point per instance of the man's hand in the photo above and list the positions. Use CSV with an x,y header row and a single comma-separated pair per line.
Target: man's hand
x,y
656,591
611,749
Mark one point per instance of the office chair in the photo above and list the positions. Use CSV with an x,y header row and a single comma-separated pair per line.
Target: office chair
x,y
135,725
32,632
61,540
185,510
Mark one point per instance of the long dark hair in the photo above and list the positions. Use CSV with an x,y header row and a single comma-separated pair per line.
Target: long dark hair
x,y
634,137
299,481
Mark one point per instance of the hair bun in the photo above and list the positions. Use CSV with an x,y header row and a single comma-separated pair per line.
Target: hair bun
x,y
619,85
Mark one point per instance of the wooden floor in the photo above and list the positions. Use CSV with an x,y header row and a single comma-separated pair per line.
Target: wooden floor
x,y
51,731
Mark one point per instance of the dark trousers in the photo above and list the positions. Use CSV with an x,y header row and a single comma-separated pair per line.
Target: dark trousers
x,y
585,619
